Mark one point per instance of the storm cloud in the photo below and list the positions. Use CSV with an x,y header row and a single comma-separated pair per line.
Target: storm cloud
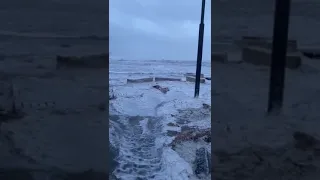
x,y
157,29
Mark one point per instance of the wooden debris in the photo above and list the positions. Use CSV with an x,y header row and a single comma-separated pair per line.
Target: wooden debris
x,y
191,135
164,90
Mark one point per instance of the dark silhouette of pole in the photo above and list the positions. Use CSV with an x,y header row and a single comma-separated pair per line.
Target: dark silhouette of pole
x,y
200,49
279,51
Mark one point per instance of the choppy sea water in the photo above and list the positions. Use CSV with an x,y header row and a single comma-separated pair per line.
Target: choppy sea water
x,y
46,28
22,22
43,28
232,19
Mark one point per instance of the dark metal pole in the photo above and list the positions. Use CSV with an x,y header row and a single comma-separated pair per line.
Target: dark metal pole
x,y
200,49
279,51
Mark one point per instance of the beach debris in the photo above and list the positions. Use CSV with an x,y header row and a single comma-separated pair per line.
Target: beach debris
x,y
206,106
192,134
164,90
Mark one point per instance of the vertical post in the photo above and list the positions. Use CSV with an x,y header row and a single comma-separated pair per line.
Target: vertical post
x,y
279,51
200,48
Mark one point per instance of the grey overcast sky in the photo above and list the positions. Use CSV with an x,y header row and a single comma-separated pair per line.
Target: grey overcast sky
x,y
157,29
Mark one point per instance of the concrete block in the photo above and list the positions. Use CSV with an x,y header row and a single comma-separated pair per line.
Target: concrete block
x,y
193,75
292,45
193,79
219,57
262,56
264,42
92,61
166,79
247,41
141,80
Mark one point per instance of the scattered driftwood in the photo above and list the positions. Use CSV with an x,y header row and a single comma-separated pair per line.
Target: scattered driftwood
x,y
164,90
191,135
92,61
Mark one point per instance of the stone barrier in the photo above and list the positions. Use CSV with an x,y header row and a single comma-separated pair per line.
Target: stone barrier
x,y
193,75
264,42
193,79
157,79
262,56
141,80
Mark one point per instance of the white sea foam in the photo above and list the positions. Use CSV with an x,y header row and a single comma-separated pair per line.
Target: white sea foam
x,y
143,100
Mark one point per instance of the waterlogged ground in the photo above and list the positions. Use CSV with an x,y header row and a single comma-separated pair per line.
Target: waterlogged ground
x,y
248,144
65,130
138,155
140,114
51,139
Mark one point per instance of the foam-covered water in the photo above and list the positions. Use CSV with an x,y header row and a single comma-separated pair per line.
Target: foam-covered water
x,y
138,157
